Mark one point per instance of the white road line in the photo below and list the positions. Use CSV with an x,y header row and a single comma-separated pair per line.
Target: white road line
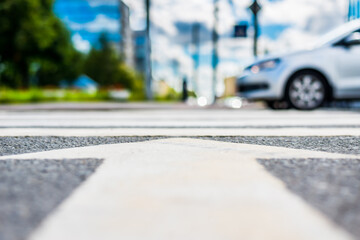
x,y
184,189
106,132
179,118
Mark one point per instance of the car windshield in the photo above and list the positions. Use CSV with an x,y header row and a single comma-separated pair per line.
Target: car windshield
x,y
337,33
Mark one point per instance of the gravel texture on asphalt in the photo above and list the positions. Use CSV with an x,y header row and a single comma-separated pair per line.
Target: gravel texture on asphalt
x,y
31,189
19,145
345,144
332,186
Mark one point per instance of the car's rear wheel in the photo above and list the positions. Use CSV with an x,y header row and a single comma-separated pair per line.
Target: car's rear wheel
x,y
306,91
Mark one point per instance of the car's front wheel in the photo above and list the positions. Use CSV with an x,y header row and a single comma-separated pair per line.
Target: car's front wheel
x,y
306,91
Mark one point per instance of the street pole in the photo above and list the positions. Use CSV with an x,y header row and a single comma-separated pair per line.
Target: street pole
x,y
215,41
256,34
195,39
255,9
148,80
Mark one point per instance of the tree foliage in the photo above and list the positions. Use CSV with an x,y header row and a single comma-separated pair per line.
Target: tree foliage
x,y
36,49
107,68
33,40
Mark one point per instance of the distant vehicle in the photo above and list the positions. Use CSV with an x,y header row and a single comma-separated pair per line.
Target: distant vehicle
x,y
306,80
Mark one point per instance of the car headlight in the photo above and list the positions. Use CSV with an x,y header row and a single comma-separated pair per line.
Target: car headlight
x,y
265,65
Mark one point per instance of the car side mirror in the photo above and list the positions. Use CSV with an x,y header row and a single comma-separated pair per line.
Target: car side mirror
x,y
352,39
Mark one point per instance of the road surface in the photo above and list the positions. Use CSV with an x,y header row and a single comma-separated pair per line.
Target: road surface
x,y
174,172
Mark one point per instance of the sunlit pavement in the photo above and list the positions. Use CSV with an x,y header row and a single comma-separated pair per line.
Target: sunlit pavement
x,y
172,120
189,173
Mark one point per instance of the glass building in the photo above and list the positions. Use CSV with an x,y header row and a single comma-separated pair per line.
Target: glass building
x,y
354,9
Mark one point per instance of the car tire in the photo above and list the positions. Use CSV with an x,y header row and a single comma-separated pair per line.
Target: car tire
x,y
278,105
306,90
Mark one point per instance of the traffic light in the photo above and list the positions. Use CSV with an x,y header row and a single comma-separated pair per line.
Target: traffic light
x,y
240,31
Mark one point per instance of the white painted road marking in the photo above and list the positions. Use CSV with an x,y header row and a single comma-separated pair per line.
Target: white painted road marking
x,y
184,189
190,122
178,132
178,118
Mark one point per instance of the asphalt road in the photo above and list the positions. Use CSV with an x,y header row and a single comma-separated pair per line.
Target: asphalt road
x,y
32,189
331,186
19,145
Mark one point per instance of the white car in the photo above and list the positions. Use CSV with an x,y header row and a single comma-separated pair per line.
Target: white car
x,y
306,80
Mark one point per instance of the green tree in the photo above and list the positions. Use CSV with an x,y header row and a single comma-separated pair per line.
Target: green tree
x,y
107,68
60,61
31,33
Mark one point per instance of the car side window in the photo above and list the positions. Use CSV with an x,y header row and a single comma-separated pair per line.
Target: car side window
x,y
351,39
355,37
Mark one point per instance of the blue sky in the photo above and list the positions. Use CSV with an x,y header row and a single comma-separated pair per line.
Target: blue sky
x,y
87,20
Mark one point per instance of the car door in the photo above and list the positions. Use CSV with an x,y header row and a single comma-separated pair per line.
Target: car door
x,y
348,66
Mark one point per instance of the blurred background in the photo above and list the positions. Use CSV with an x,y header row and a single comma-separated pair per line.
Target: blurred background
x,y
135,50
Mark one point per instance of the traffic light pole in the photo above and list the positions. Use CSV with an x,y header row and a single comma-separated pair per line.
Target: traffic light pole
x,y
148,80
256,34
255,9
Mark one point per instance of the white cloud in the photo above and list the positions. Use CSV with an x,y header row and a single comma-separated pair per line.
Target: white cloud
x,y
96,3
308,20
291,39
81,44
164,53
315,16
101,23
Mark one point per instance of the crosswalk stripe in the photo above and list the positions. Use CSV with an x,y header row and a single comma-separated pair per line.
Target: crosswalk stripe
x,y
106,132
